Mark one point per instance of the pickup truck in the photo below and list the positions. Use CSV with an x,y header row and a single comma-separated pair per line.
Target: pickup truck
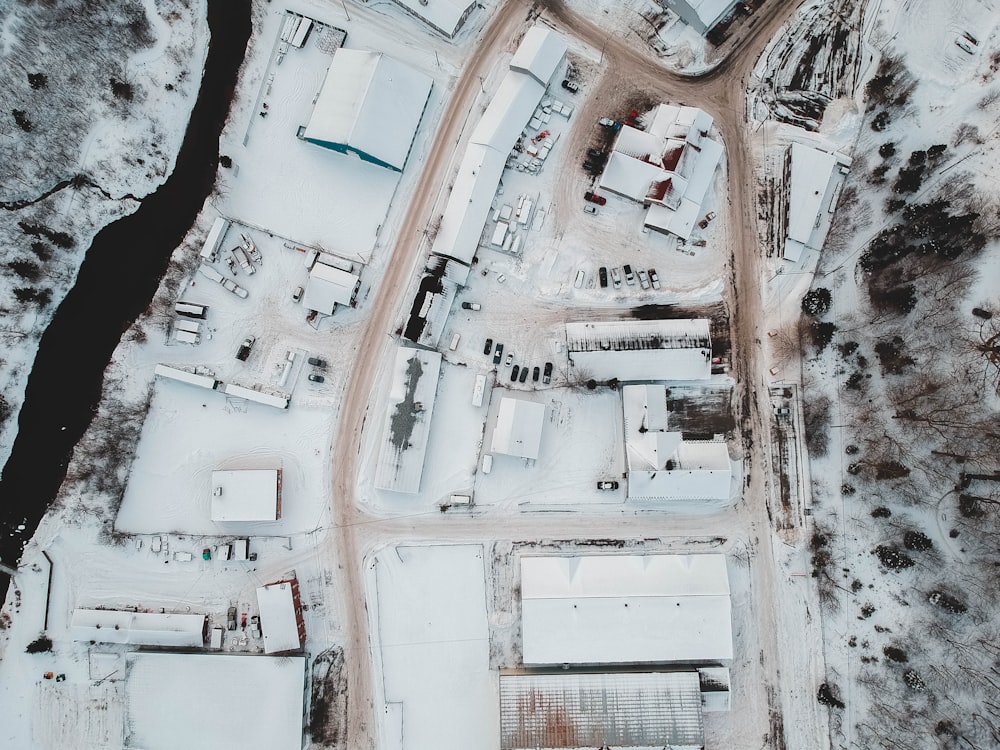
x,y
471,306
244,351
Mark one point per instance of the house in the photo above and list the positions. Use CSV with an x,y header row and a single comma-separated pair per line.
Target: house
x,y
641,350
370,106
281,619
518,431
246,495
661,464
701,15
328,287
807,172
626,609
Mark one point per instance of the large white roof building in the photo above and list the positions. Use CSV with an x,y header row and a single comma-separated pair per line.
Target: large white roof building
x,y
138,628
407,424
445,16
328,287
213,701
626,711
638,350
246,495
518,431
370,106
669,167
701,15
281,620
661,464
809,176
625,609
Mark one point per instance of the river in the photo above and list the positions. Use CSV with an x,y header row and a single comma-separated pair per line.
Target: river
x,y
117,280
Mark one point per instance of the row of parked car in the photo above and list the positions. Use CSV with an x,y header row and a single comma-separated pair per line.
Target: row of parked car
x,y
646,279
518,373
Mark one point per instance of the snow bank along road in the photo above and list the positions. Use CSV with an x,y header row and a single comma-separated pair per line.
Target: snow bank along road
x,y
721,92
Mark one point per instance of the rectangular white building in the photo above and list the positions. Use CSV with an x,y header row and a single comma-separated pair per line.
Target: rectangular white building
x,y
626,609
246,495
138,628
518,431
809,173
328,287
281,620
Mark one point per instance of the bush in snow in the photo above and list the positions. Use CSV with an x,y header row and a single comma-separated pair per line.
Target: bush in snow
x,y
821,333
40,645
881,513
816,301
913,680
892,558
917,541
947,602
896,654
828,695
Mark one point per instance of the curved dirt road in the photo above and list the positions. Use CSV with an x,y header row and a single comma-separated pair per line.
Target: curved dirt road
x,y
722,93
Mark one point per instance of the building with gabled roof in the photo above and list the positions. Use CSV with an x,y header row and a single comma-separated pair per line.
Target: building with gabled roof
x,y
808,173
701,15
626,609
139,628
444,16
328,287
281,621
370,106
660,463
624,710
518,431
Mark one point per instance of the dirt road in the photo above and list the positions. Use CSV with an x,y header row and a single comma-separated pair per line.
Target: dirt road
x,y
721,92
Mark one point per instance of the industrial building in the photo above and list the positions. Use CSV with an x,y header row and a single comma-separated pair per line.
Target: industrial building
x,y
281,620
661,464
626,609
246,495
329,286
518,431
213,701
407,423
139,628
641,350
807,173
370,106
668,167
626,711
444,16
701,15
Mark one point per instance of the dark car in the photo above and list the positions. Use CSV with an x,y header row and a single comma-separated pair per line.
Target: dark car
x,y
489,346
602,275
514,372
524,374
600,200
316,362
316,378
607,485
592,167
498,354
547,373
570,85
535,373
595,154
629,276
244,351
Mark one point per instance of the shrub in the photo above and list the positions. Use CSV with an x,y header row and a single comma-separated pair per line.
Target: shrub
x,y
917,541
891,470
40,645
909,179
896,654
38,80
816,301
122,90
881,513
946,601
892,558
887,149
828,695
913,680
21,118
821,334
25,269
881,121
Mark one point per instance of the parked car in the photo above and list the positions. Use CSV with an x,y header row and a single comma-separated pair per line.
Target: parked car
x,y
643,279
297,294
593,167
600,200
315,377
489,346
654,278
547,373
607,122
231,618
244,351
510,360
497,354
602,276
595,154
703,224
524,374
710,215
616,277
570,86
534,374
629,276
471,306
316,362
514,373
588,209
607,485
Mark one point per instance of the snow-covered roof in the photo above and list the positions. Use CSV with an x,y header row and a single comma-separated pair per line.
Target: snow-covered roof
x,y
280,617
278,401
407,423
635,350
519,427
246,495
539,54
175,373
370,104
661,464
213,701
483,163
446,16
810,176
702,14
620,710
138,628
630,177
680,221
328,287
614,609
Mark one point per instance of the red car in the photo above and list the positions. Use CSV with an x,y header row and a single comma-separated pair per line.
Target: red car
x,y
600,200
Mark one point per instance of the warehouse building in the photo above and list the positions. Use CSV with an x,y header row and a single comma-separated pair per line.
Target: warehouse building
x,y
641,350
139,628
370,106
281,620
246,495
518,431
701,15
807,172
444,16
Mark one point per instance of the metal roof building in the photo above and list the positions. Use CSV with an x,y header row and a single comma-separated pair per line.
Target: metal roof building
x,y
444,16
701,15
370,106
139,628
328,287
518,431
246,495
638,350
539,54
626,711
809,176
407,423
661,464
281,620
625,609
